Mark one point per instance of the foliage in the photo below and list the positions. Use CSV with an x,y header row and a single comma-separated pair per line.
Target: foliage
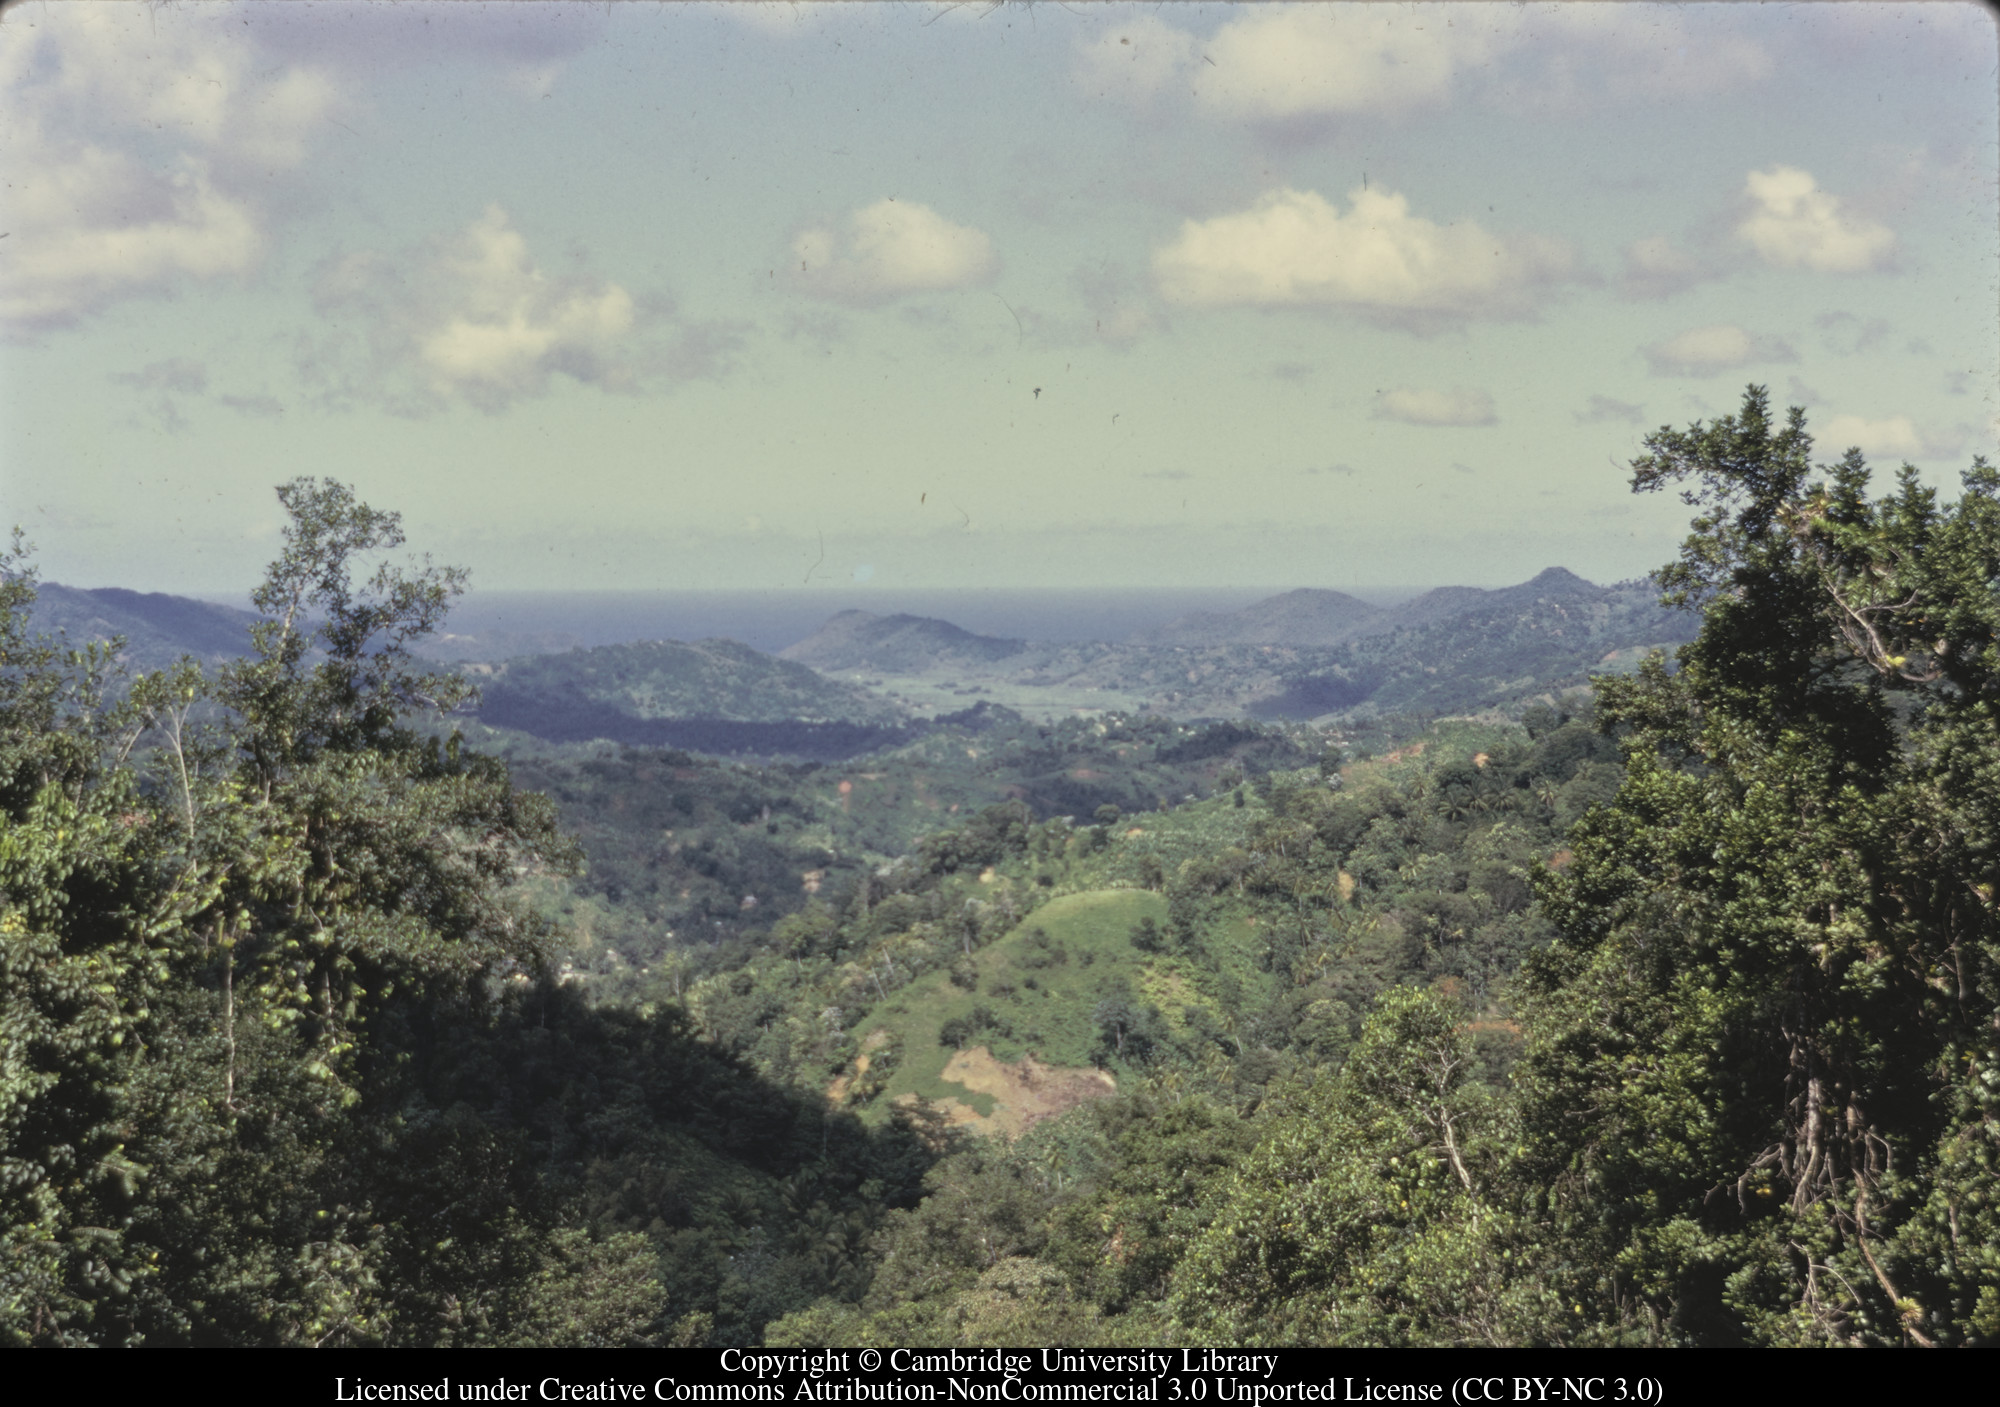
x,y
1365,1215
282,1056
1663,1016
1763,1050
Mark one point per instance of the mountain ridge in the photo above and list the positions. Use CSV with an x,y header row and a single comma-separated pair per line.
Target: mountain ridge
x,y
901,642
157,628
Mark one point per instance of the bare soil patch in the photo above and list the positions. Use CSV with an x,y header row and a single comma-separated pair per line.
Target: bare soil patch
x,y
1023,1093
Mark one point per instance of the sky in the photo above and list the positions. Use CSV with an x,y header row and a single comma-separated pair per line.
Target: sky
x,y
866,297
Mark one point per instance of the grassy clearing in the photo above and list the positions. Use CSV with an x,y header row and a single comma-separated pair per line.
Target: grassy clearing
x,y
1032,992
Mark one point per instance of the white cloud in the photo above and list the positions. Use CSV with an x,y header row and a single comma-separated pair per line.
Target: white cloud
x,y
1718,347
1794,224
889,249
1299,65
1293,249
1134,59
98,226
1894,436
513,324
138,141
471,317
1318,60
1413,406
115,70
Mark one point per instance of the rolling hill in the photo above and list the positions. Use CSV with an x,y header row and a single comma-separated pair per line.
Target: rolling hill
x,y
157,628
714,696
1307,617
898,644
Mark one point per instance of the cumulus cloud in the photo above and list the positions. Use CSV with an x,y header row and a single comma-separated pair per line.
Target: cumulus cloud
x,y
1793,224
887,250
1293,249
1314,61
1298,67
472,317
99,226
1414,406
1718,347
1603,408
139,142
1895,436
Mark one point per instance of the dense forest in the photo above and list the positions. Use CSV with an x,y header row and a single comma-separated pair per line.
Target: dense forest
x,y
1665,1011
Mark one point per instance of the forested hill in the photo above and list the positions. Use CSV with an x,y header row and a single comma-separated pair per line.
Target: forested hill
x,y
157,628
863,681
715,696
1458,649
897,644
1303,617
1304,654
1323,619
1667,1014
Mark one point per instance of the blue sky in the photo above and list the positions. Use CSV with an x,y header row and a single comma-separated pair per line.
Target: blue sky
x,y
801,297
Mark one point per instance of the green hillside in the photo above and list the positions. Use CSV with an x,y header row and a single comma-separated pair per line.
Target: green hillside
x,y
652,679
157,628
1662,1013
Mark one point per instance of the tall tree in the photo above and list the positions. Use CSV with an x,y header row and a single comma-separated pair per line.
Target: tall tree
x,y
215,986
1764,1070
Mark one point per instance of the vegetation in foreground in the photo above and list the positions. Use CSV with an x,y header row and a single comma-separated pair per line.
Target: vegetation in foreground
x,y
1673,1018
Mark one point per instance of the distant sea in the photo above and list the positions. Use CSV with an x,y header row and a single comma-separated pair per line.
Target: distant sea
x,y
771,620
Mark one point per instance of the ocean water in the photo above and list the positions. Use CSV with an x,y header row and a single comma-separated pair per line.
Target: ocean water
x,y
771,620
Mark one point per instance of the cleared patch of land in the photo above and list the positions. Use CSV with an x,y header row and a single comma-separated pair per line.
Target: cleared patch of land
x,y
1018,1095
1026,1002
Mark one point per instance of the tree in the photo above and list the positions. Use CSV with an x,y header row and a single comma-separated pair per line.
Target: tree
x,y
386,858
1764,1065
76,914
209,984
333,671
1366,1215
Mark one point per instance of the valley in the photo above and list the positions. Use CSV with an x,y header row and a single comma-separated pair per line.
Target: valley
x,y
1261,979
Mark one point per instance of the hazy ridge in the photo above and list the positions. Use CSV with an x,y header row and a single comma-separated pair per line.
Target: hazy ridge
x,y
863,681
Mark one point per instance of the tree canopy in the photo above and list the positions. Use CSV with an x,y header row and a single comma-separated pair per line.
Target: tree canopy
x,y
282,1057
287,1055
1763,1070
